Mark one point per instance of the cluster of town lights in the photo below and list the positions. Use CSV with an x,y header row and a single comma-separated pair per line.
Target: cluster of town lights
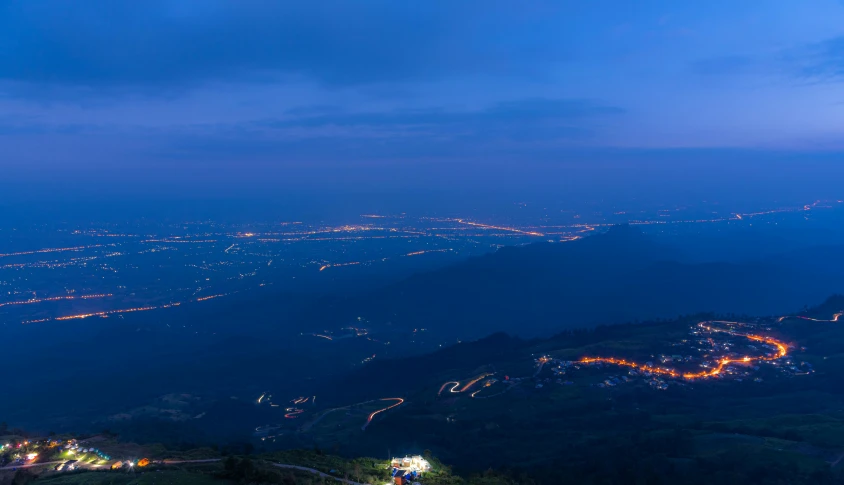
x,y
782,351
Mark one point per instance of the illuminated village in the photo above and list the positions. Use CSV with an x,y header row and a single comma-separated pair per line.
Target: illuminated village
x,y
62,455
714,350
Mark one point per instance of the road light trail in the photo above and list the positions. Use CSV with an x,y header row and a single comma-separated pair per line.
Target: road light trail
x,y
473,382
106,313
293,413
338,265
320,335
455,384
53,250
54,298
834,319
112,312
426,251
500,228
372,415
453,387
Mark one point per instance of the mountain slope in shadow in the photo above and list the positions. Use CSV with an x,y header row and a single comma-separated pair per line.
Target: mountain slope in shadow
x,y
618,276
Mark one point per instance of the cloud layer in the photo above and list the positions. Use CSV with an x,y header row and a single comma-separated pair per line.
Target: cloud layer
x,y
103,87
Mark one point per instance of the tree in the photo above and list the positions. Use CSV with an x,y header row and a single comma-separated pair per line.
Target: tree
x,y
23,477
230,464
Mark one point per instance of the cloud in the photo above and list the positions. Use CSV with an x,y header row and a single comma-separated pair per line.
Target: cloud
x,y
158,44
724,65
815,62
531,110
522,125
822,61
13,126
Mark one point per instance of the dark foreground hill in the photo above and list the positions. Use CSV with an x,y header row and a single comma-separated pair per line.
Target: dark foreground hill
x,y
525,405
618,276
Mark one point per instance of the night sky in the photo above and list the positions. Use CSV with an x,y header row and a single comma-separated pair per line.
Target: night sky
x,y
569,98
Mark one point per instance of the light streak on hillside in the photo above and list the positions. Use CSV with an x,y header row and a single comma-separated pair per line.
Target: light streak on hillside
x,y
372,415
473,382
293,413
456,384
453,387
834,318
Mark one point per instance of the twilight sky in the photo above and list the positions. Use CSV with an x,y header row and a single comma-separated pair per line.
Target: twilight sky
x,y
252,97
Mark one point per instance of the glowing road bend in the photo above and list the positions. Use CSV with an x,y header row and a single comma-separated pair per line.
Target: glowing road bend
x,y
834,318
782,351
453,387
293,413
468,385
372,415
473,382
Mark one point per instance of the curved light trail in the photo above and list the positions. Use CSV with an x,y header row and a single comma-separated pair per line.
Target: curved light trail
x,y
453,387
835,318
293,413
372,415
473,382
782,351
455,384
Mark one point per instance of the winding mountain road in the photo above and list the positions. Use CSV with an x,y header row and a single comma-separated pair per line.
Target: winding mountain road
x,y
372,415
317,472
710,326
